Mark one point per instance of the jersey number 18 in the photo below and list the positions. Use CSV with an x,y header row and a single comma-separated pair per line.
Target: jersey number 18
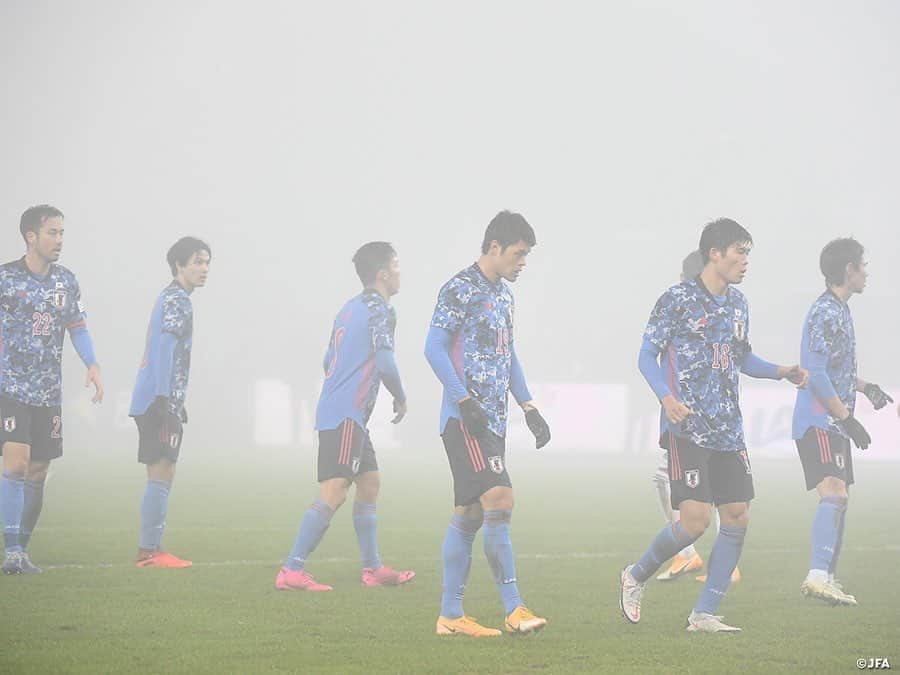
x,y
721,356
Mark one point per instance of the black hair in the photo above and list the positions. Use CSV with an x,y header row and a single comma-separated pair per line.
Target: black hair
x,y
34,217
720,234
508,228
692,265
183,250
371,258
836,256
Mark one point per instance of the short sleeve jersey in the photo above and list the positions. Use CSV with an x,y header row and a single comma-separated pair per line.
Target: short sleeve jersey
x,y
365,325
703,340
827,333
172,315
34,315
479,315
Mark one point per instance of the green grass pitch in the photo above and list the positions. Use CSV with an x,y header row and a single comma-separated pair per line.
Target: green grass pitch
x,y
578,520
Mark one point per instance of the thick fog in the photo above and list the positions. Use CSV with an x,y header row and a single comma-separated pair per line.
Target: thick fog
x,y
288,134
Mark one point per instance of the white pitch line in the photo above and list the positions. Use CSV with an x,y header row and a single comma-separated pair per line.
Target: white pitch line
x,y
432,559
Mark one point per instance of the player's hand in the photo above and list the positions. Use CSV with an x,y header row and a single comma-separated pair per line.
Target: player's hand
x,y
538,426
93,377
473,416
676,411
856,431
158,411
400,410
795,375
183,416
878,396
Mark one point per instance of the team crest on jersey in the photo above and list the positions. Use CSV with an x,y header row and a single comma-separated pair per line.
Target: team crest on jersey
x,y
692,478
59,295
496,463
745,458
9,424
839,461
354,465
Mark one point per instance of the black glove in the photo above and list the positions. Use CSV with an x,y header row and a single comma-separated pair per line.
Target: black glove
x,y
856,431
473,416
158,410
878,396
539,427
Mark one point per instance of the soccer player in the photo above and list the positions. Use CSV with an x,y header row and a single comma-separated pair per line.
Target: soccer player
x,y
39,301
824,423
470,348
701,326
157,402
686,560
359,358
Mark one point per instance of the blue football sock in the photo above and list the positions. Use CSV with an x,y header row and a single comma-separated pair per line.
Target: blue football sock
x,y
12,503
365,522
499,551
826,527
457,554
154,507
670,540
722,560
832,569
312,528
34,501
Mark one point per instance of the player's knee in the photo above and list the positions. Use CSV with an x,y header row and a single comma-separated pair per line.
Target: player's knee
x,y
470,511
334,492
162,470
832,487
37,471
368,486
695,520
498,499
695,526
735,515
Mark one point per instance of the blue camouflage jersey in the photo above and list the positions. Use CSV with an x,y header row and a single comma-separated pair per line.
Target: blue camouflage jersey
x,y
703,340
166,364
479,315
35,313
364,326
830,339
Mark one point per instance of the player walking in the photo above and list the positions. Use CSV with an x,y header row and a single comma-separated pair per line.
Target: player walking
x,y
470,348
360,356
701,326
